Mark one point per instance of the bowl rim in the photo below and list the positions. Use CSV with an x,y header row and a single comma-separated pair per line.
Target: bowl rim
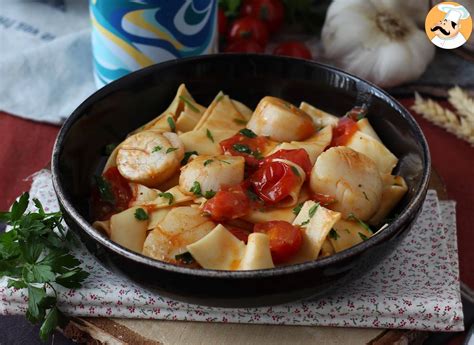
x,y
405,216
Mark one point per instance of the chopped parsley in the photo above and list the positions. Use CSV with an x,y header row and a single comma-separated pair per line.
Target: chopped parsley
x,y
363,237
187,155
305,222
242,148
208,161
185,258
171,149
251,195
171,124
156,149
248,133
297,208
196,189
312,210
168,196
333,234
240,121
209,194
218,99
352,216
105,189
365,195
109,149
189,104
226,162
140,214
209,135
295,171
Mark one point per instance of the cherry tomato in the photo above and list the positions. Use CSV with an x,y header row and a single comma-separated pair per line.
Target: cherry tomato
x,y
298,156
121,195
244,46
221,22
227,204
285,239
241,145
323,199
271,12
274,181
241,234
249,28
293,48
346,127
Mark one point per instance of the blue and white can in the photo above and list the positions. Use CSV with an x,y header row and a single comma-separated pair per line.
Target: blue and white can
x,y
128,35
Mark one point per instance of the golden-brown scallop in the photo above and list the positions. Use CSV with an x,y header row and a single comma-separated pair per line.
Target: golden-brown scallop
x,y
150,157
211,173
280,120
352,178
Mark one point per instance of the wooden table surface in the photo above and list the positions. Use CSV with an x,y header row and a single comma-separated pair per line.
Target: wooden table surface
x,y
25,147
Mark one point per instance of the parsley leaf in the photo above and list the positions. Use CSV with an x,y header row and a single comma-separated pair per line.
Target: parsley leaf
x,y
209,194
297,208
352,216
34,255
196,189
365,195
156,149
189,103
141,214
105,189
312,210
362,236
185,258
171,149
333,234
240,121
188,155
209,135
295,171
248,133
171,124
242,148
168,196
218,99
208,161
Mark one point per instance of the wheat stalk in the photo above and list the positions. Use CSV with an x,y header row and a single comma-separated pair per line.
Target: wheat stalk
x,y
462,126
463,104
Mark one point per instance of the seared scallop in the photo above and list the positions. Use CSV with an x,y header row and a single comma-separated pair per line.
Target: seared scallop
x,y
352,178
281,121
206,174
150,157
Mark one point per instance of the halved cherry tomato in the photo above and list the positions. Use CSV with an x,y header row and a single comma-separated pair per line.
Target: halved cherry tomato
x,y
271,12
244,46
241,234
343,132
241,145
297,156
293,48
221,22
248,28
285,239
228,204
121,195
323,199
274,181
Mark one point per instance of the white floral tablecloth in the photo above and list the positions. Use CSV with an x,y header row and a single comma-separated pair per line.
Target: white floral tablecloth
x,y
416,287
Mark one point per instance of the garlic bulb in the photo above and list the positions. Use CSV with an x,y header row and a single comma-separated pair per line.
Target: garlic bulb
x,y
376,40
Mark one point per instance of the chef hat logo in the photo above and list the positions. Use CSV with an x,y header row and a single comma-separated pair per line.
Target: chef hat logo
x,y
454,13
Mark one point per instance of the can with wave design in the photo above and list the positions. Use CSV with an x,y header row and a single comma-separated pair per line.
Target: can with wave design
x,y
131,34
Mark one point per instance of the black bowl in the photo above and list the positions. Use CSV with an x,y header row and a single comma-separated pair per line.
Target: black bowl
x,y
112,112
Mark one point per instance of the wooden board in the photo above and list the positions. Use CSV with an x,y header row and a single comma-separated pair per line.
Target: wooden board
x,y
157,332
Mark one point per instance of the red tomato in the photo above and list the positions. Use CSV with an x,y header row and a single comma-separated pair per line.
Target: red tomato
x,y
285,239
271,12
274,181
241,145
249,28
221,22
293,48
298,156
343,132
228,204
244,46
120,190
241,234
324,199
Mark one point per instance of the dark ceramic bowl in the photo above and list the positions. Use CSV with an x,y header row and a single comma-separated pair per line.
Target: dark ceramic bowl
x,y
112,112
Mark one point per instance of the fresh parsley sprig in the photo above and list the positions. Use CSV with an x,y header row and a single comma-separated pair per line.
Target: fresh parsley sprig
x,y
34,255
